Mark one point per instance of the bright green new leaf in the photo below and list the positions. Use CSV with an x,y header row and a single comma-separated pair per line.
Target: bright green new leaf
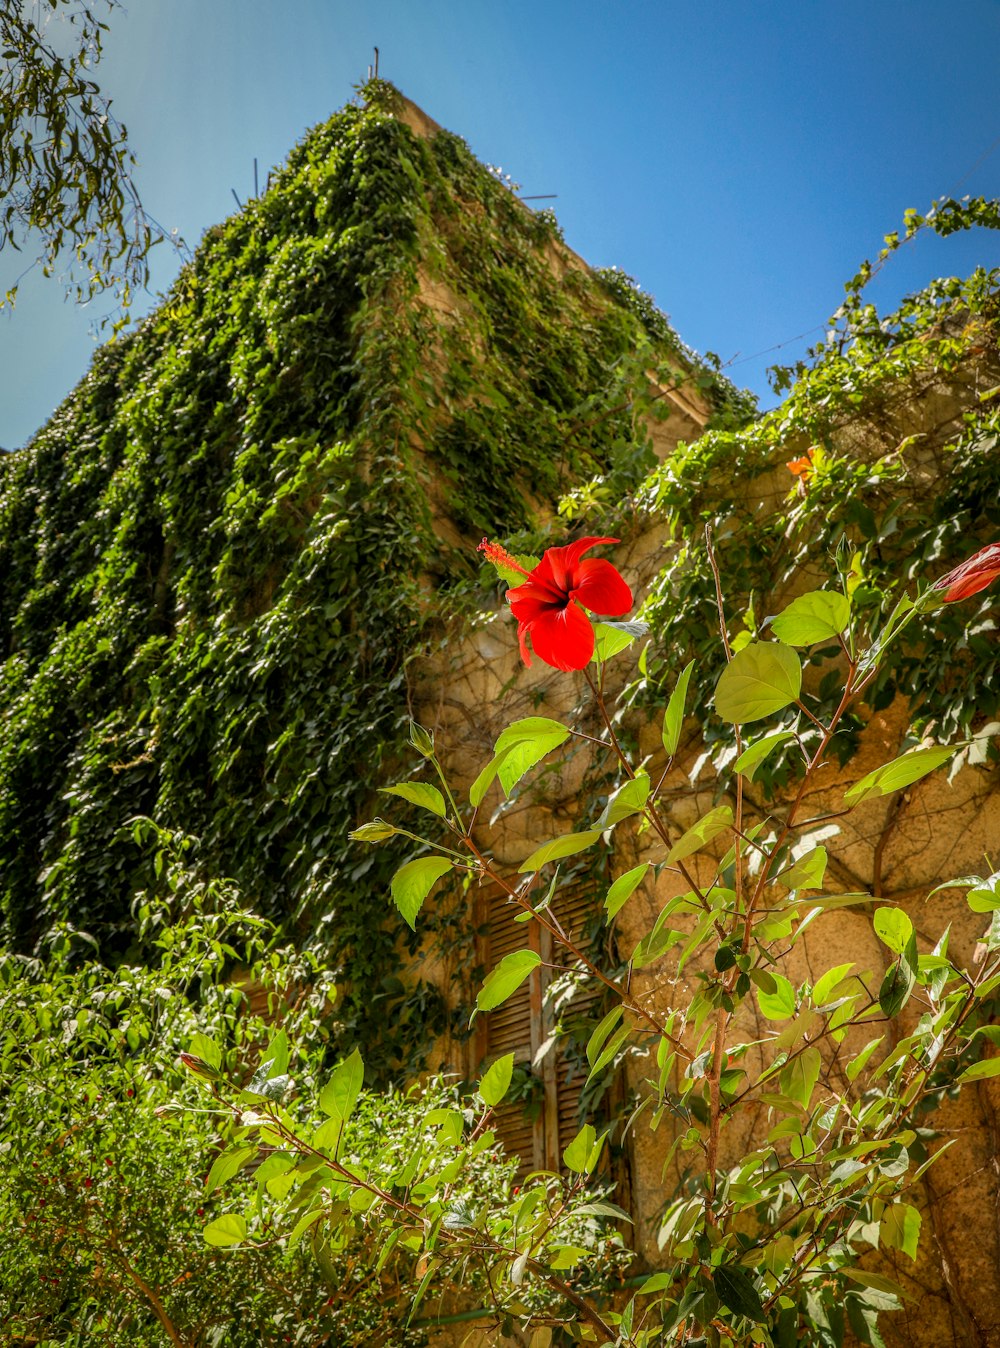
x,y
893,928
413,882
780,1004
858,1063
807,872
599,1037
576,1157
760,680
627,800
229,1229
566,846
979,1071
814,617
673,717
525,743
828,982
699,835
425,795
611,639
752,757
623,889
900,1228
206,1049
984,897
902,771
340,1094
484,781
496,1080
226,1164
524,560
506,978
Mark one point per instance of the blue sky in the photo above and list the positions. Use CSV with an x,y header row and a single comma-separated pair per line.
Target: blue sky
x,y
738,157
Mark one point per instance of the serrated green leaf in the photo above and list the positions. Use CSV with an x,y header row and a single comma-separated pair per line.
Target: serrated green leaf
x,y
761,679
673,717
340,1094
506,978
901,772
230,1229
811,618
611,639
413,882
623,889
496,1080
523,744
423,794
699,835
566,846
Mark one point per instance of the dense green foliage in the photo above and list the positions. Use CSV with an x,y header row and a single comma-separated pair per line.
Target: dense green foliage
x,y
223,547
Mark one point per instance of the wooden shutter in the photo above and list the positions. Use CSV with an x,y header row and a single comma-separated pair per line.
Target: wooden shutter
x,y
523,1024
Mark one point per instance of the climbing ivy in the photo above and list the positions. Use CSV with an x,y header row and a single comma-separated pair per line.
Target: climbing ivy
x,y
223,548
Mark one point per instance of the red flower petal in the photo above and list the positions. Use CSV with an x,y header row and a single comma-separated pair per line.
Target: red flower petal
x,y
560,564
529,600
562,638
600,588
981,569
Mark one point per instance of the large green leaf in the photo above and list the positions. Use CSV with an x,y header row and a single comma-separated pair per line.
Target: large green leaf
x,y
701,834
612,638
413,882
673,717
506,978
760,680
979,1071
737,1292
902,771
577,1156
754,755
425,795
340,1094
779,1004
814,617
893,928
627,800
566,846
230,1229
227,1163
807,872
523,744
623,889
496,1079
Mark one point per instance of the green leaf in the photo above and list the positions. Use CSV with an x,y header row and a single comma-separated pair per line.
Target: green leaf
x,y
979,1071
524,560
673,717
754,755
612,638
627,800
496,1080
984,897
229,1229
522,745
506,978
418,793
800,1074
699,835
826,984
878,1281
780,1004
577,1155
736,1291
902,771
893,928
340,1094
599,1037
566,846
814,617
206,1049
307,1220
896,987
623,889
858,1063
807,872
900,1228
226,1164
760,680
413,882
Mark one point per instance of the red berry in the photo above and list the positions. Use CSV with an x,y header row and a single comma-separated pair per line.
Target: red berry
x,y
108,1160
41,1202
201,1212
130,1092
88,1183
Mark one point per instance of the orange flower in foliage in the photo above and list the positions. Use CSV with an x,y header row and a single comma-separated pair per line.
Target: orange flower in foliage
x,y
549,605
981,569
801,468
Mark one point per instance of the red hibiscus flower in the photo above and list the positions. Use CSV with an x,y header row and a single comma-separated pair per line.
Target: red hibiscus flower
x,y
549,605
974,575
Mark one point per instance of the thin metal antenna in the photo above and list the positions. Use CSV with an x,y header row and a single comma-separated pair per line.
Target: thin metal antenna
x,y
236,198
376,62
369,73
256,189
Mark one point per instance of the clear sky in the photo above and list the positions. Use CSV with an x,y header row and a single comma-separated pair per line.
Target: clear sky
x,y
738,157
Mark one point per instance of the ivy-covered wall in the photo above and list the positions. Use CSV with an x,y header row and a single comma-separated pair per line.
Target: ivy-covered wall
x,y
223,549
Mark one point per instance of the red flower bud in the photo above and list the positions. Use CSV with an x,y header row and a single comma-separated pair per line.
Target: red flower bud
x,y
981,569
